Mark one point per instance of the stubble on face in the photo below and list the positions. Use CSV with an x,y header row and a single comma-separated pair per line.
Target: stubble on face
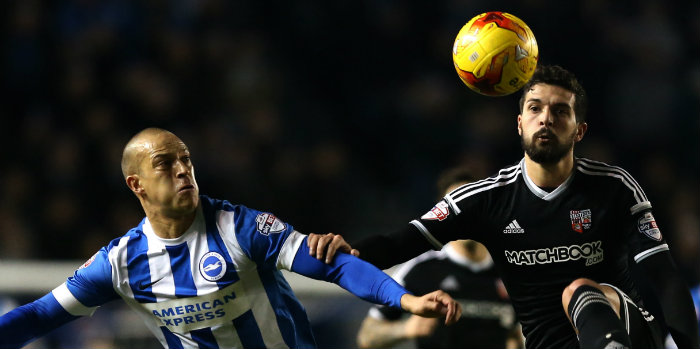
x,y
547,152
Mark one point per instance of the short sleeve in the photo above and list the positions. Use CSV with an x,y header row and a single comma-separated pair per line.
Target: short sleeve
x,y
454,217
89,287
262,236
645,235
643,231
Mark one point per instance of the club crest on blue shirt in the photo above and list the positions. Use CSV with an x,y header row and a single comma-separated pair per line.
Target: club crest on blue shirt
x,y
647,226
212,266
439,212
267,223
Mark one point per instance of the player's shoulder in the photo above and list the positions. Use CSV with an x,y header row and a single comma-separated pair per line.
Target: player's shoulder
x,y
210,204
503,178
241,218
595,167
605,172
612,178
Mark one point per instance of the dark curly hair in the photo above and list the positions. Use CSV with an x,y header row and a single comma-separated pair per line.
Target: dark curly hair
x,y
558,76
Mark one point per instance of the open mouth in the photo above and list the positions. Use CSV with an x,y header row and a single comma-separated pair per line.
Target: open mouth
x,y
544,136
186,187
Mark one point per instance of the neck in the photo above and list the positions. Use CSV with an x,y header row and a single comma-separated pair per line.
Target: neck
x,y
170,227
549,175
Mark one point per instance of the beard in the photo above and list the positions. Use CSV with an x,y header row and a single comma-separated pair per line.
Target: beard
x,y
547,154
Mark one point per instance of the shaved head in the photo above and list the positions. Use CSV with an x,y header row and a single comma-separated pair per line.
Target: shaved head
x,y
134,149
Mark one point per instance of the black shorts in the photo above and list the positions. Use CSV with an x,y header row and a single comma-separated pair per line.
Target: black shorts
x,y
644,329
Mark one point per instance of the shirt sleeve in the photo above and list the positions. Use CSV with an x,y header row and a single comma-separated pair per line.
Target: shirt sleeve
x,y
643,231
31,321
262,236
89,287
381,312
456,216
353,274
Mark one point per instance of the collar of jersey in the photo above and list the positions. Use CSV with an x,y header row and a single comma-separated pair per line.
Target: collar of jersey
x,y
198,225
539,192
459,259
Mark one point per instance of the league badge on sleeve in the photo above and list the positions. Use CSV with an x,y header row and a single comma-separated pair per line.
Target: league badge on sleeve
x,y
647,226
439,212
267,224
88,262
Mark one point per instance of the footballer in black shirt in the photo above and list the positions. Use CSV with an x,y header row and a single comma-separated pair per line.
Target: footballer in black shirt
x,y
464,269
563,233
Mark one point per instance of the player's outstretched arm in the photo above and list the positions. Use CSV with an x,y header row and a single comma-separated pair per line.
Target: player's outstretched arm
x,y
371,284
31,321
383,251
674,297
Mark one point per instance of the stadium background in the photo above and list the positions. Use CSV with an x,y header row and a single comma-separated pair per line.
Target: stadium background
x,y
336,116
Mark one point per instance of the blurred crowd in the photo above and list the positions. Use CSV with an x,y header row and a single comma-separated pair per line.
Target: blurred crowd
x,y
335,115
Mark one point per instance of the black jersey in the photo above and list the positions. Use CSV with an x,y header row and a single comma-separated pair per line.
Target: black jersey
x,y
487,315
591,226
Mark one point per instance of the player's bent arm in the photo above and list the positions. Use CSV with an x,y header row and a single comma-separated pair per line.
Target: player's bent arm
x,y
674,298
515,338
31,321
376,333
381,333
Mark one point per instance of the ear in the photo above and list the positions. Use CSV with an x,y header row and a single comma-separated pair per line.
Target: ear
x,y
581,129
134,183
520,125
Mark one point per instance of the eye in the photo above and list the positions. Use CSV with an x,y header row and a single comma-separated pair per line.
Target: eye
x,y
562,111
162,164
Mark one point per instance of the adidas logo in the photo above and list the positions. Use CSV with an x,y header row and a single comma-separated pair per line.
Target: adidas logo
x,y
513,228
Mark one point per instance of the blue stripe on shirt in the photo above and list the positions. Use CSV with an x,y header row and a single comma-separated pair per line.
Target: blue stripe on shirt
x,y
295,328
182,270
171,339
139,271
204,338
248,331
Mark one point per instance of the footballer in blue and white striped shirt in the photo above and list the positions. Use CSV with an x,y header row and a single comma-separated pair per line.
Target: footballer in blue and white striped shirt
x,y
204,273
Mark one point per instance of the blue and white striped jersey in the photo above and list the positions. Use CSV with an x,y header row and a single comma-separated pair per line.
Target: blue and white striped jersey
x,y
218,285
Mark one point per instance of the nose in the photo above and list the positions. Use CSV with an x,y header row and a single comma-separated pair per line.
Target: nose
x,y
181,168
546,117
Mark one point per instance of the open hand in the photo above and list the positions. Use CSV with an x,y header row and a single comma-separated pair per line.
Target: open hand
x,y
434,304
324,246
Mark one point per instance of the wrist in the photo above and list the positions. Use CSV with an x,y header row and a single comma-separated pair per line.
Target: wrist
x,y
407,301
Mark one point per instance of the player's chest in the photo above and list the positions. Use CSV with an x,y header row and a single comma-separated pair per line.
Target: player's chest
x,y
190,269
568,229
